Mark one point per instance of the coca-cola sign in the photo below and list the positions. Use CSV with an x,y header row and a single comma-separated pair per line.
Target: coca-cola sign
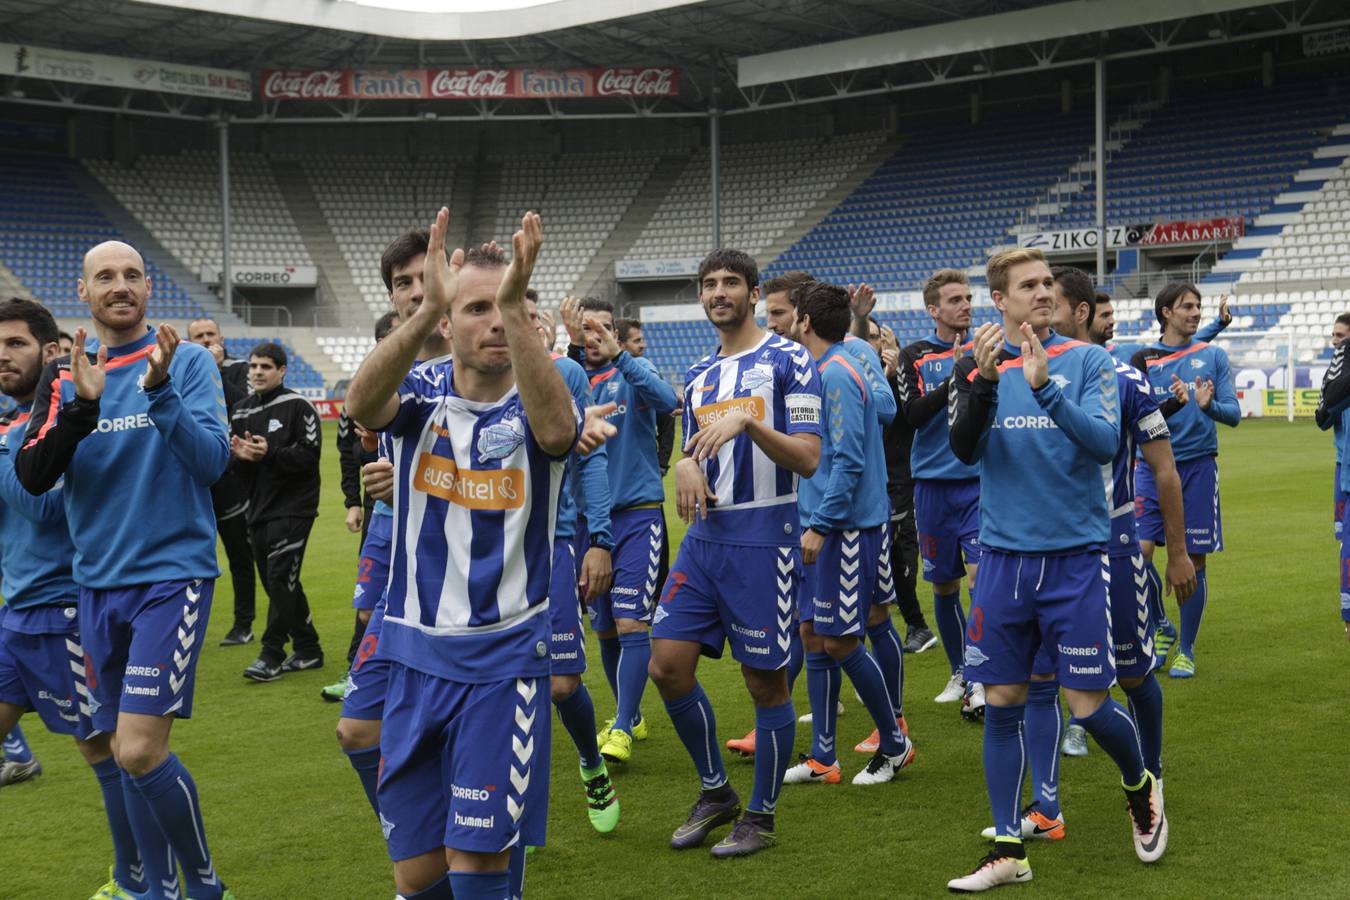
x,y
469,84
289,84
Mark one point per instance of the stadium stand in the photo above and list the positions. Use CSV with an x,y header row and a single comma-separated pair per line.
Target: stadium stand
x,y
766,186
937,203
177,198
368,200
347,350
581,198
47,224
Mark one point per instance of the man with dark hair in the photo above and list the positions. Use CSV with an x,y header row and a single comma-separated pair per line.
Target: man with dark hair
x,y
751,427
1193,384
229,498
276,444
946,488
844,510
1025,395
1340,330
621,615
145,586
41,660
65,342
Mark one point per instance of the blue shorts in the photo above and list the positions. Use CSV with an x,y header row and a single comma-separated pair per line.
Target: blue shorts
x,y
1132,622
947,514
372,572
567,652
885,590
44,672
462,765
637,565
837,589
141,646
1338,497
1022,603
1199,494
724,592
1345,573
368,680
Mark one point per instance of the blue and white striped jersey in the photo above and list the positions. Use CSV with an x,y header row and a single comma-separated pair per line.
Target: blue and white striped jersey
x,y
774,382
475,507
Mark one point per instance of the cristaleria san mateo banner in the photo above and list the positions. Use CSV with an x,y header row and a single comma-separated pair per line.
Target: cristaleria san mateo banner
x,y
1147,234
468,84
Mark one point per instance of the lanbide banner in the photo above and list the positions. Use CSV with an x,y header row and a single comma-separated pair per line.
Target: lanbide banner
x,y
27,61
469,84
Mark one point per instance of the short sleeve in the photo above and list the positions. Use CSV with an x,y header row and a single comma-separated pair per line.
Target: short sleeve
x,y
417,396
799,385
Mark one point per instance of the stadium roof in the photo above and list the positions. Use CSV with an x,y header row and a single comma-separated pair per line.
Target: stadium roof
x,y
796,44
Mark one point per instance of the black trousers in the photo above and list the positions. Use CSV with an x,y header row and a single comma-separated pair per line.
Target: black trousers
x,y
905,556
233,530
279,547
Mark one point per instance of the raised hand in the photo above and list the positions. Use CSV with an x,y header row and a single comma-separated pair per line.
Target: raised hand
x,y
573,320
1180,391
595,430
988,342
1204,393
548,329
440,277
1225,317
88,377
157,361
1035,364
861,300
600,338
525,245
692,494
890,359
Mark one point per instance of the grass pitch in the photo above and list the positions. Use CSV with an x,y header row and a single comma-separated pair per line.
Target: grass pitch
x,y
1255,753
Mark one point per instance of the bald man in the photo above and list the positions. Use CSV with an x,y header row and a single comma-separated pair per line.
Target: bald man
x,y
138,433
228,495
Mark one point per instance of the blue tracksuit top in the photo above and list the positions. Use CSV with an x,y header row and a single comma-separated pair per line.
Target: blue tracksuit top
x,y
37,552
883,399
138,465
642,395
586,478
848,489
1046,454
1194,434
923,381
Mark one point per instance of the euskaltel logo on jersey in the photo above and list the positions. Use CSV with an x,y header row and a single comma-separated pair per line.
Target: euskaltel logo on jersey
x,y
470,488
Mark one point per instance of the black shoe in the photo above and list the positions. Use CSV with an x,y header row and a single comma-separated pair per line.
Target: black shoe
x,y
918,640
295,663
236,637
262,670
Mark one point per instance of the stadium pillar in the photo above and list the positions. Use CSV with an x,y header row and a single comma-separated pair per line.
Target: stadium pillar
x,y
1100,67
226,272
715,165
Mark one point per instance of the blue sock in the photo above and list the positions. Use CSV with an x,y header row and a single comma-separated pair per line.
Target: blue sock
x,y
1192,611
438,891
822,687
692,716
1005,765
516,869
1146,705
577,714
609,661
1113,729
796,656
1043,723
775,730
1153,590
171,794
863,671
477,886
367,765
127,868
16,747
889,652
635,654
161,871
951,623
